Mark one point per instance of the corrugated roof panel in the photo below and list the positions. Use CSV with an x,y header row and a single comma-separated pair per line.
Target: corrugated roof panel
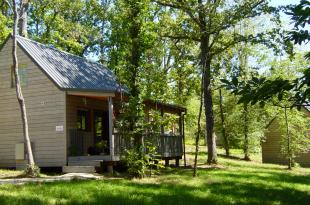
x,y
69,71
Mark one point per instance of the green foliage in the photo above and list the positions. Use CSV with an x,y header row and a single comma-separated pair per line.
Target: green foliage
x,y
101,145
141,164
300,15
258,118
298,139
72,26
5,21
262,89
32,171
4,30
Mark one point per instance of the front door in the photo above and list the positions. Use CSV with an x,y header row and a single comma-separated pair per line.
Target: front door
x,y
101,131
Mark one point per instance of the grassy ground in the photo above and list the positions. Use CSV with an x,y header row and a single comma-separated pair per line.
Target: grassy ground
x,y
234,182
5,174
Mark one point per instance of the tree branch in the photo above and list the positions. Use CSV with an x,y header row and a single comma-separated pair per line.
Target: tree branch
x,y
8,3
237,39
181,6
181,37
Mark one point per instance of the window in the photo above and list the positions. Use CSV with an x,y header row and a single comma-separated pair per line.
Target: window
x,y
23,76
83,120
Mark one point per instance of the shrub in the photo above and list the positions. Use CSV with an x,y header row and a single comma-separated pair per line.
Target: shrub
x,y
141,163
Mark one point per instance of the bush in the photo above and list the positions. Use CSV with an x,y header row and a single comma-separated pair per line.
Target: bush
x,y
142,162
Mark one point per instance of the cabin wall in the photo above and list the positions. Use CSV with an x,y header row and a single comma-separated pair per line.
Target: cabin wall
x,y
45,105
271,148
75,103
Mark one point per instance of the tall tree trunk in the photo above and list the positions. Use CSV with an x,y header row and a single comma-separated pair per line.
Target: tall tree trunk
x,y
208,104
206,58
19,94
289,154
22,22
225,137
198,130
246,133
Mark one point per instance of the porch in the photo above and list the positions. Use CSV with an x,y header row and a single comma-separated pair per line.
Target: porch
x,y
92,138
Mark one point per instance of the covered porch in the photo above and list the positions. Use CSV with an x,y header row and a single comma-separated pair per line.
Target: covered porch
x,y
169,136
90,136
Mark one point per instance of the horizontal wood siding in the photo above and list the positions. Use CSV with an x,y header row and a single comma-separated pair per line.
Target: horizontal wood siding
x,y
45,105
271,148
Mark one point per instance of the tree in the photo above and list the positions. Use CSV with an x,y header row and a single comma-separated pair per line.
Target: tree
x,y
206,23
78,27
22,21
238,125
223,124
5,21
263,89
130,41
31,167
295,138
294,124
198,131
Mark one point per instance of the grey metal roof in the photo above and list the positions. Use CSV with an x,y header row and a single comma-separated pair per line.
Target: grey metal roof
x,y
70,72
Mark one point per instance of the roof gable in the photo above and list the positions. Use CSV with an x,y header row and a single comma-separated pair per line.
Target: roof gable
x,y
70,72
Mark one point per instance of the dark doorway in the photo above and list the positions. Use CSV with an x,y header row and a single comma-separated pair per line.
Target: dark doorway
x,y
101,130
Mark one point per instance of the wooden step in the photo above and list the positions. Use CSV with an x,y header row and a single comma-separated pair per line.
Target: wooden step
x,y
78,169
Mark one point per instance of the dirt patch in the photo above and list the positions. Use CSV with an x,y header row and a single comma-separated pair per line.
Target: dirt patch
x,y
11,174
212,166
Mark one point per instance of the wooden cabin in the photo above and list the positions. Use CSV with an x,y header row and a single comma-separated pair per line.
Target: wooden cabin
x,y
271,147
70,105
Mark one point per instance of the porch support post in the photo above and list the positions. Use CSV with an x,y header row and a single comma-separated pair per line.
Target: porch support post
x,y
111,136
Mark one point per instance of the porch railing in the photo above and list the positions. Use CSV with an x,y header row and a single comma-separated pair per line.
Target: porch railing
x,y
166,145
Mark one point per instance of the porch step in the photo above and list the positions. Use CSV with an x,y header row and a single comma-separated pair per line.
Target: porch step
x,y
94,163
78,169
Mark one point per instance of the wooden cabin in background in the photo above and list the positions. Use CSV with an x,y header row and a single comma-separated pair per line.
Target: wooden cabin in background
x,y
70,104
271,147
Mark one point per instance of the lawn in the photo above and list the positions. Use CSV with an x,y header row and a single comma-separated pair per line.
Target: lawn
x,y
234,182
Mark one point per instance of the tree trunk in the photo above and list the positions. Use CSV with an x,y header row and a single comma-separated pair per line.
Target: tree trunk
x,y
198,131
208,104
225,137
246,134
19,94
289,154
22,22
206,58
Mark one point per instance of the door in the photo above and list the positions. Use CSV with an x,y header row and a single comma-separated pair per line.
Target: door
x,y
101,131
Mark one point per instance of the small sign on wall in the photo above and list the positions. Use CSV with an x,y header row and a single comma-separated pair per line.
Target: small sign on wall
x,y
59,128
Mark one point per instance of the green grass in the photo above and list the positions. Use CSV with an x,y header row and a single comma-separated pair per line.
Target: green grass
x,y
234,182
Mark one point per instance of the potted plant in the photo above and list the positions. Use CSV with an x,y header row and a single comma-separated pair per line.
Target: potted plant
x,y
101,146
